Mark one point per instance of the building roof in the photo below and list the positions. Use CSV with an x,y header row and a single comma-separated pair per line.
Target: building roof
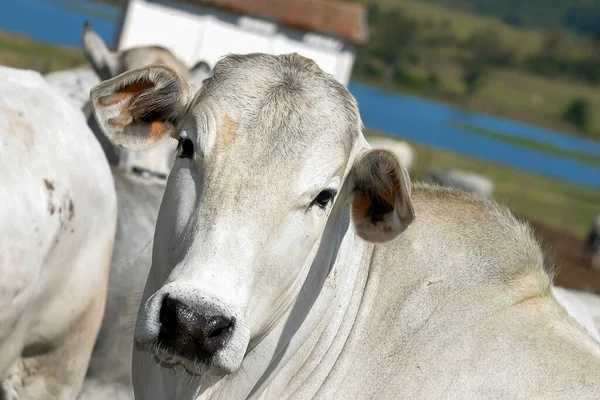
x,y
339,18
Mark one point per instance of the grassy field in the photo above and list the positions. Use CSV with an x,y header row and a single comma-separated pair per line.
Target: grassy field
x,y
21,52
557,204
523,95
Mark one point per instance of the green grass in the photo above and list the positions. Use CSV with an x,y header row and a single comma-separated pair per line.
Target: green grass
x,y
83,8
540,99
21,52
528,143
555,203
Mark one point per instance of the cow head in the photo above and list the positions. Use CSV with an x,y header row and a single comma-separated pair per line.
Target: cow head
x,y
270,149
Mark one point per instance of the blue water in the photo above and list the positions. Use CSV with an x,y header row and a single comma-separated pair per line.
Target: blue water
x,y
58,21
428,122
413,118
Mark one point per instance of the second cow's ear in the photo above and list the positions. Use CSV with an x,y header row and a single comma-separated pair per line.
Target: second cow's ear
x,y
381,203
140,107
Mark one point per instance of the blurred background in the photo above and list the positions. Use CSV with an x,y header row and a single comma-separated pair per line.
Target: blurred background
x,y
500,98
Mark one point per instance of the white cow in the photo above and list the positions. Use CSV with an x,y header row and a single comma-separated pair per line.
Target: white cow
x,y
139,199
75,84
57,225
138,195
469,182
581,306
140,183
285,263
402,150
107,64
109,373
592,304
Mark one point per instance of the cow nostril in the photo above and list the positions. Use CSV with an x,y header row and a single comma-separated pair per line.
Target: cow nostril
x,y
168,315
216,332
220,326
192,334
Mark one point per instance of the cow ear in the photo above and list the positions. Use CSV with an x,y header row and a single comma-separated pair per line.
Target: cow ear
x,y
140,107
104,62
381,202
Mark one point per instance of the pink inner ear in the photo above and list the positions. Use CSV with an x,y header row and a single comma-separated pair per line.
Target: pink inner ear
x,y
389,190
360,206
158,129
139,135
123,119
126,92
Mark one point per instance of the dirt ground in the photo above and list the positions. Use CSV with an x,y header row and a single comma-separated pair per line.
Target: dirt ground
x,y
573,269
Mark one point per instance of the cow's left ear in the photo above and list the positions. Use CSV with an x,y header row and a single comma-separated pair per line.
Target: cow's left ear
x,y
140,107
381,202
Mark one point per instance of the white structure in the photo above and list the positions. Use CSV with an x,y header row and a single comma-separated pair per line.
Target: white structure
x,y
403,150
203,31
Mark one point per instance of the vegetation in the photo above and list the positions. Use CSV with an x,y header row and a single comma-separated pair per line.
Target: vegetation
x,y
21,52
578,113
581,16
482,63
556,203
473,74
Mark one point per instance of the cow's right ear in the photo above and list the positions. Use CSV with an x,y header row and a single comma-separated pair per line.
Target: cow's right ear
x,y
140,107
381,205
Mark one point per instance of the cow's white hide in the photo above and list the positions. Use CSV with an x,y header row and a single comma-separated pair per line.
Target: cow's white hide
x,y
57,226
74,84
110,366
263,286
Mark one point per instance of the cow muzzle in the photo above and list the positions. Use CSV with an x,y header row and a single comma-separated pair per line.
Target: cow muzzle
x,y
197,332
191,333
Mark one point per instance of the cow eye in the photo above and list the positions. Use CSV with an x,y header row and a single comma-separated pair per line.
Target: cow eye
x,y
186,148
324,198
